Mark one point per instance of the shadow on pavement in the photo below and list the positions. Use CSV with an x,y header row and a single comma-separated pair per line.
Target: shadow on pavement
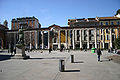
x,y
78,62
72,71
5,57
50,58
106,60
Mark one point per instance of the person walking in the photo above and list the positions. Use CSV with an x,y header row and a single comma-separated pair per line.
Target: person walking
x,y
50,50
99,54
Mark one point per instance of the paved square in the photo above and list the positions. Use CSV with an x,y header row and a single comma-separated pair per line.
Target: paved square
x,y
45,66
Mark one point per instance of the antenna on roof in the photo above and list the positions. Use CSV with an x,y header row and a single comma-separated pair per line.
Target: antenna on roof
x,y
75,17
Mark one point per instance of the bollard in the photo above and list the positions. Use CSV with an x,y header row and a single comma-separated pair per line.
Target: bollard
x,y
61,65
72,58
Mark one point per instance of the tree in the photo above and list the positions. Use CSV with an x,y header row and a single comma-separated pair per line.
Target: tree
x,y
5,23
118,12
117,43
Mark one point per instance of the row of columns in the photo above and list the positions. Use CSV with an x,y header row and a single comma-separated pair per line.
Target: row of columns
x,y
73,38
103,38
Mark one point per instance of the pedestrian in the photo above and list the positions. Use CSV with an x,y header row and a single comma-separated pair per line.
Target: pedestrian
x,y
14,50
99,54
111,50
11,50
50,50
85,49
115,50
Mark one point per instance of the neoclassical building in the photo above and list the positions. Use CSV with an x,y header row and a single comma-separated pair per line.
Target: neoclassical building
x,y
99,32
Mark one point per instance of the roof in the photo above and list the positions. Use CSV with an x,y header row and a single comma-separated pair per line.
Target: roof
x,y
91,18
3,27
108,18
24,18
67,28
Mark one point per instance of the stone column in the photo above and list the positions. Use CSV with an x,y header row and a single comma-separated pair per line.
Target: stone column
x,y
103,39
80,34
117,33
59,45
14,39
48,39
95,37
30,42
36,40
69,38
73,39
1,43
110,37
75,32
88,42
66,39
42,32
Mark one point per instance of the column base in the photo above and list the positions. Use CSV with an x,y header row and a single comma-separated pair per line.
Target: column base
x,y
20,53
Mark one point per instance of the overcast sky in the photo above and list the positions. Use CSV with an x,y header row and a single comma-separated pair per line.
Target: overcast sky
x,y
57,12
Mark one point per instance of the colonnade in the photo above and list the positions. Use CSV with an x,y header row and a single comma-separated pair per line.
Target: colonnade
x,y
68,39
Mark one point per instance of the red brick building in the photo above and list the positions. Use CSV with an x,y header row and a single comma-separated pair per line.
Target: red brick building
x,y
32,23
3,42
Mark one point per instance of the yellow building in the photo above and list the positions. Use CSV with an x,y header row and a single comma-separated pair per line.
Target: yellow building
x,y
109,34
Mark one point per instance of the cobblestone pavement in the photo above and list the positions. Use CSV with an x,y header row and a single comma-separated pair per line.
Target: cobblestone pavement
x,y
45,66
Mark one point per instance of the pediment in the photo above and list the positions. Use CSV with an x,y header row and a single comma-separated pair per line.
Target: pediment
x,y
56,27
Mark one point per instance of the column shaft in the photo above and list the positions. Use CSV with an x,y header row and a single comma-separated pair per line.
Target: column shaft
x,y
66,39
88,42
48,39
95,37
59,45
42,39
103,38
30,42
110,37
73,39
80,34
36,44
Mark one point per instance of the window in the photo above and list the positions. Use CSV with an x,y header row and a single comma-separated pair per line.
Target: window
x,y
107,37
17,25
101,23
112,23
118,23
13,25
28,22
106,23
32,22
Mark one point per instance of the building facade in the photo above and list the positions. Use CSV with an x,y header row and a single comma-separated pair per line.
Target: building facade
x,y
30,23
105,37
99,32
3,37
